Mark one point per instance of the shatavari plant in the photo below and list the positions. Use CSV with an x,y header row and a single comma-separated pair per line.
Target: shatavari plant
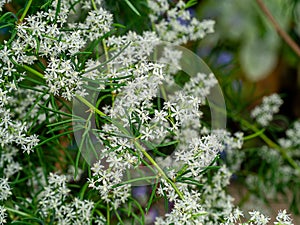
x,y
107,119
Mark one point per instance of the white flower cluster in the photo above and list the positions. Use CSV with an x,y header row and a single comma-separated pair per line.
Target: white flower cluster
x,y
199,154
2,215
5,189
12,130
97,24
86,4
186,211
62,78
283,218
15,132
8,163
142,46
176,24
147,112
264,112
136,118
206,207
5,193
232,145
55,195
171,58
42,33
23,101
280,175
139,81
216,202
292,139
257,218
200,85
107,181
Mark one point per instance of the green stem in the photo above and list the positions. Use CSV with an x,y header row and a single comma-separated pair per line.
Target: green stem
x,y
262,136
105,49
271,144
251,136
135,180
25,11
118,216
94,5
181,171
35,72
108,67
17,212
107,214
85,133
161,172
87,103
83,100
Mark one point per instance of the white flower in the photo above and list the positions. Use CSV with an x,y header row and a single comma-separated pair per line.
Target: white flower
x,y
5,190
292,139
185,211
233,217
264,112
105,181
175,24
62,78
258,218
283,218
2,215
172,58
98,23
12,168
199,154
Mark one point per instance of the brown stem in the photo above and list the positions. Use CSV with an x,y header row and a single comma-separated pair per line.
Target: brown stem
x,y
279,30
9,7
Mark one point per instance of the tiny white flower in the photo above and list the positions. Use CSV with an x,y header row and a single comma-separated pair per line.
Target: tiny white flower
x,y
263,114
5,189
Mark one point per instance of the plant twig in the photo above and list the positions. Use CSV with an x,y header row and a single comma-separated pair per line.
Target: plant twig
x,y
260,133
279,30
136,143
25,11
161,172
272,144
94,5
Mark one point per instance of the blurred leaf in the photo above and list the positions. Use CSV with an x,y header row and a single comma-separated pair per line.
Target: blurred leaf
x,y
235,14
258,58
191,3
297,18
281,10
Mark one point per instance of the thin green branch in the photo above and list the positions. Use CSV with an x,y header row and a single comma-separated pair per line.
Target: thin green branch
x,y
108,214
90,105
132,7
135,180
17,212
94,109
261,135
25,11
271,144
94,5
35,72
161,172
